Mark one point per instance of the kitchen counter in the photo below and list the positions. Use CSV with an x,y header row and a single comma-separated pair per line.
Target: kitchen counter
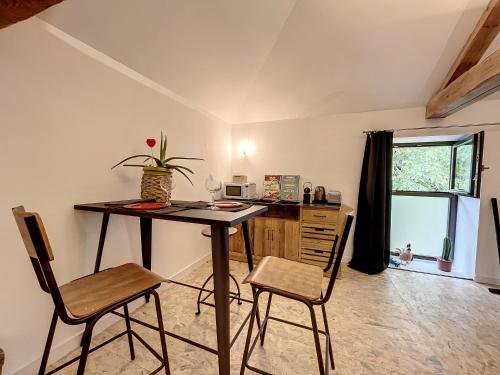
x,y
295,231
288,210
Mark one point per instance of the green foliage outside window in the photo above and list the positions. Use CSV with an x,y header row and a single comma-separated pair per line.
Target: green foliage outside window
x,y
425,168
463,167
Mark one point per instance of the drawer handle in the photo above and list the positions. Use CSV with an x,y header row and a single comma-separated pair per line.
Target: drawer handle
x,y
315,215
319,229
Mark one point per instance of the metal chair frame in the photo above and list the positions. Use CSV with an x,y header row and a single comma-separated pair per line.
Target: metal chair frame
x,y
234,295
246,237
203,301
48,283
323,366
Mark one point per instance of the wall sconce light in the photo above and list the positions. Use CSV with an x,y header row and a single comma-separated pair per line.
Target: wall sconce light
x,y
247,148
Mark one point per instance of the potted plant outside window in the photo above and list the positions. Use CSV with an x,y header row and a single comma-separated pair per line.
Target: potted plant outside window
x,y
2,360
444,263
157,180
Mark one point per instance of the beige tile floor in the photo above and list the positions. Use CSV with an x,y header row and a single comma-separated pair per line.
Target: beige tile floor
x,y
393,323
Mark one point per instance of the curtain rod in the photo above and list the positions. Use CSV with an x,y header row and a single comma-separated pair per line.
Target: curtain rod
x,y
435,127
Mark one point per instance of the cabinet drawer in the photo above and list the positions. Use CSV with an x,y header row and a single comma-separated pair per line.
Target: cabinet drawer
x,y
323,265
318,236
318,229
318,263
318,255
319,215
310,231
315,244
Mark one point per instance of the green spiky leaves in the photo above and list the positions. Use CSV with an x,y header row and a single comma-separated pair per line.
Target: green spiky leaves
x,y
162,161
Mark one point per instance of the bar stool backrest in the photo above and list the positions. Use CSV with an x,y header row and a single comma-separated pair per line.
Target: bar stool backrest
x,y
21,215
40,252
343,228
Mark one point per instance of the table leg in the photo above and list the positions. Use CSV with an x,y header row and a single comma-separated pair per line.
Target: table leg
x,y
146,239
248,245
220,260
100,249
248,250
102,239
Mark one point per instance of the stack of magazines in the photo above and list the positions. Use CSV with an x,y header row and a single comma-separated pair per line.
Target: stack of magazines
x,y
281,187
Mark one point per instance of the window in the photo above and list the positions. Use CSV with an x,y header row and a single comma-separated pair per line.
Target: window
x,y
426,179
463,167
421,168
466,165
446,167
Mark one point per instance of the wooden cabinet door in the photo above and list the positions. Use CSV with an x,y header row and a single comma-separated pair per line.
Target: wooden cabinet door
x,y
267,237
271,236
260,236
291,240
236,245
275,233
237,250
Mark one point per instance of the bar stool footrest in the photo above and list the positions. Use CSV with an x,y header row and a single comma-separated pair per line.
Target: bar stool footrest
x,y
264,326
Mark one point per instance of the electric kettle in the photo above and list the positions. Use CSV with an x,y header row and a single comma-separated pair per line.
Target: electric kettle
x,y
319,194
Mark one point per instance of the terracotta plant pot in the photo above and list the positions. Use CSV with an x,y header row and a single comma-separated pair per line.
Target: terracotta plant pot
x,y
2,360
156,184
444,265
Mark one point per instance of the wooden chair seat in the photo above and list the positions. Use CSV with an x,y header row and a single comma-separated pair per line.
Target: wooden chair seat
x,y
300,279
91,294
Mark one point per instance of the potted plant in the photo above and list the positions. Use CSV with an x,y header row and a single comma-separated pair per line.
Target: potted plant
x,y
2,360
444,263
157,171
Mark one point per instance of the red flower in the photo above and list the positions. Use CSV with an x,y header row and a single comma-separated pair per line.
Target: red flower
x,y
151,142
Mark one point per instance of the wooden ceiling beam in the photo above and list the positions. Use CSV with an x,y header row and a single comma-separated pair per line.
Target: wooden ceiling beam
x,y
482,36
469,80
12,11
479,81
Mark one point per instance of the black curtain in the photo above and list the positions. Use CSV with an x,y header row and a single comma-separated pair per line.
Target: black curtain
x,y
373,217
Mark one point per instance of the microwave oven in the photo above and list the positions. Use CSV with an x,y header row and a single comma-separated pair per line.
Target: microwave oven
x,y
244,190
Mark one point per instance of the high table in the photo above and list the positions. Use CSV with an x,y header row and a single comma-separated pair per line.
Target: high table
x,y
220,222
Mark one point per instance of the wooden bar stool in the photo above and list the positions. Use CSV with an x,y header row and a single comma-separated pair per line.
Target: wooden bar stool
x,y
234,295
299,282
88,299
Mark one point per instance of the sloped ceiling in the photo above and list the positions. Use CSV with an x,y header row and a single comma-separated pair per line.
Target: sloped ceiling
x,y
262,60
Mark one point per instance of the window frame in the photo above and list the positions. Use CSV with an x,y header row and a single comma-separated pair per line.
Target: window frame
x,y
477,140
426,144
451,223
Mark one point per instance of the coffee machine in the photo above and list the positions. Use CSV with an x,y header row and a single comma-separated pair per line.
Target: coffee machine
x,y
307,193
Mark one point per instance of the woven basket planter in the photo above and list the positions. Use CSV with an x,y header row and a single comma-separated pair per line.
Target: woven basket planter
x,y
156,184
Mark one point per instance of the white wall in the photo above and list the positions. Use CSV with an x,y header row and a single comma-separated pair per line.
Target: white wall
x,y
329,150
65,119
465,252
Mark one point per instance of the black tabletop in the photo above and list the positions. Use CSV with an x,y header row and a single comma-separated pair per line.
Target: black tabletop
x,y
197,216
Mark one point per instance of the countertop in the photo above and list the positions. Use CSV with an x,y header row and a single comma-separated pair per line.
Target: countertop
x,y
288,204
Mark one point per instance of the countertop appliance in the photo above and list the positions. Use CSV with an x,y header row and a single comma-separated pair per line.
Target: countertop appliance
x,y
240,178
307,192
334,197
236,190
319,194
